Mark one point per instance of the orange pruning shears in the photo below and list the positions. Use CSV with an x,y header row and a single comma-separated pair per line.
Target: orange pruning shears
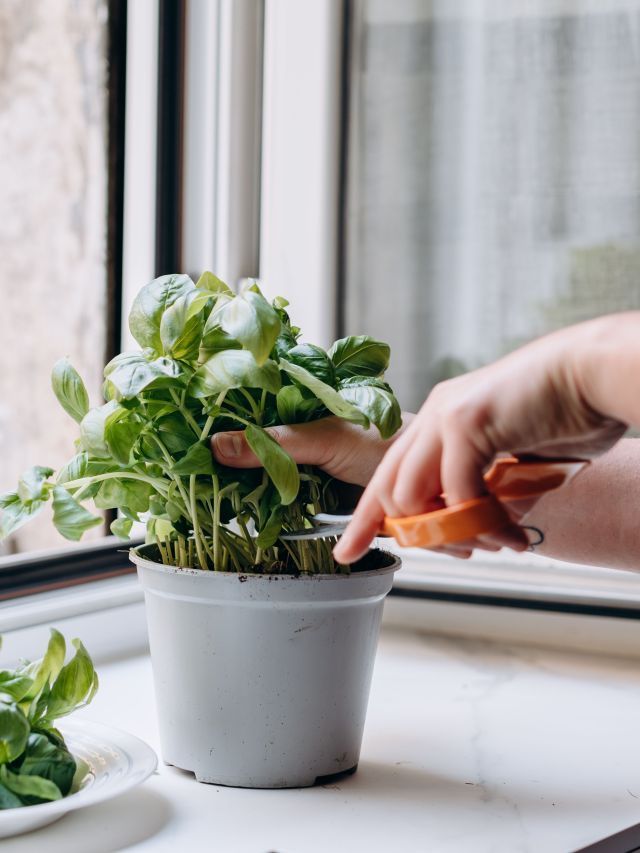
x,y
508,479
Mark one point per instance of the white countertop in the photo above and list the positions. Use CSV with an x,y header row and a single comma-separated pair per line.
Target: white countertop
x,y
468,747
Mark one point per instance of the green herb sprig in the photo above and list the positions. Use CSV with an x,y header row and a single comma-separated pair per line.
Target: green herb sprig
x,y
36,765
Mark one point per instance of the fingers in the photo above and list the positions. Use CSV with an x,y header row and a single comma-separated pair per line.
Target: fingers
x,y
462,465
492,542
365,525
307,444
344,450
231,448
375,503
511,536
423,463
414,481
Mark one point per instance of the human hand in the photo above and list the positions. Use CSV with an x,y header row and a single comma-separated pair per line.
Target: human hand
x,y
342,449
539,400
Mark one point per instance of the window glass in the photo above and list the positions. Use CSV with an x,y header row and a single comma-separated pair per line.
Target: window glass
x,y
53,180
493,176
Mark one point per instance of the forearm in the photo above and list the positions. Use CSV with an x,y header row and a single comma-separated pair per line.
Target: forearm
x,y
594,519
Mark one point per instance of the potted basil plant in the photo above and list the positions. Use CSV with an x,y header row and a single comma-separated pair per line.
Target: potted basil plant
x,y
262,649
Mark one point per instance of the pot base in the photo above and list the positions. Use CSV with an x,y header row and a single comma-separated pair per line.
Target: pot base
x,y
302,782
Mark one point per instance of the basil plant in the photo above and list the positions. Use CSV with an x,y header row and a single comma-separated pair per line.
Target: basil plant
x,y
210,360
36,765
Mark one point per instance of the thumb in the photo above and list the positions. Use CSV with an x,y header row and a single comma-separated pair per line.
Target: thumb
x,y
307,444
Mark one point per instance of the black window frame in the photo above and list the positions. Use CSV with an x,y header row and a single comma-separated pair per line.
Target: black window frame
x,y
27,574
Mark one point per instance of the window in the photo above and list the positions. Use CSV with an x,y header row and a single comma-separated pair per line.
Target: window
x,y
130,149
456,178
53,226
492,195
493,176
453,177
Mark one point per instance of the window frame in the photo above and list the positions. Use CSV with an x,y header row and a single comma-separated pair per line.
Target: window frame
x,y
164,93
503,581
295,247
29,573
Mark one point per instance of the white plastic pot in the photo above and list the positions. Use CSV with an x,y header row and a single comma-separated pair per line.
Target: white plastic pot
x,y
262,681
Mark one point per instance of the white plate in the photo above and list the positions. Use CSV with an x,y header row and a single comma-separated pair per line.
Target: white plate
x,y
117,761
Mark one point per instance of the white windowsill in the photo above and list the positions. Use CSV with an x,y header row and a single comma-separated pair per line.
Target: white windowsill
x,y
525,576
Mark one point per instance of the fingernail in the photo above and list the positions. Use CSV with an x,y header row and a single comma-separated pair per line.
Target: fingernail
x,y
228,445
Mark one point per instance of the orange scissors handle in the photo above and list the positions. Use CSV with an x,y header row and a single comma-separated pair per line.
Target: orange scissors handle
x,y
507,479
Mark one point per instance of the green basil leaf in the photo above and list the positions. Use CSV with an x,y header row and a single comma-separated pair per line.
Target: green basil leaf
x,y
46,669
359,355
173,511
75,468
48,757
33,788
81,466
92,429
151,303
69,389
14,684
182,325
74,687
159,528
118,494
121,527
294,407
121,431
215,340
376,400
234,369
14,731
110,392
122,437
155,409
250,319
197,460
175,432
269,533
209,281
8,799
69,518
285,341
328,395
280,467
315,360
131,372
32,486
157,505
127,512
15,513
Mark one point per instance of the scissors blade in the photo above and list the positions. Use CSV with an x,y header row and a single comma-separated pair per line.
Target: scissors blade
x,y
321,531
325,526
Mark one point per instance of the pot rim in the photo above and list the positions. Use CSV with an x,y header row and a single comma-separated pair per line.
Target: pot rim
x,y
141,560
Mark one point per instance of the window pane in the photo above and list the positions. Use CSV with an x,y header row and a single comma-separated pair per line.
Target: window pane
x,y
494,176
52,228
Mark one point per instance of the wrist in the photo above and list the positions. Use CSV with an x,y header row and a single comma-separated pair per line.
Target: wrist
x,y
605,365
